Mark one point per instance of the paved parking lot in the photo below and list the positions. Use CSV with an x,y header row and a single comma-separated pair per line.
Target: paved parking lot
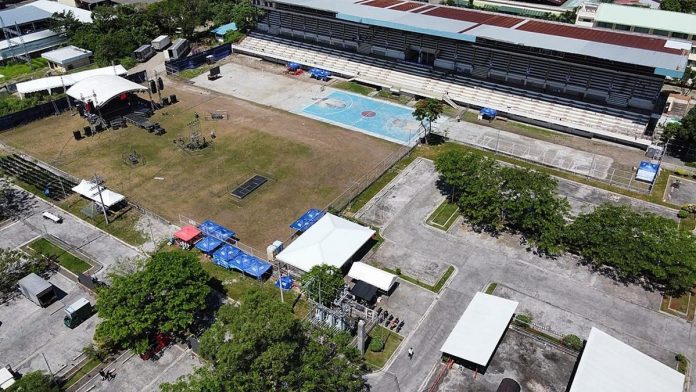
x,y
101,248
534,364
29,332
133,374
409,303
628,313
684,193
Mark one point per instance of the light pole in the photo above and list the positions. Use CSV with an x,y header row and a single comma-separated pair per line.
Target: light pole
x,y
98,181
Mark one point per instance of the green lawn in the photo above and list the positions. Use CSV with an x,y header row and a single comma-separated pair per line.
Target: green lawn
x,y
398,98
444,216
86,368
684,306
67,260
516,127
192,73
354,87
12,71
491,288
392,341
235,284
121,225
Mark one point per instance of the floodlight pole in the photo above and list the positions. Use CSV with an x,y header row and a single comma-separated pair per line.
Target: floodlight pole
x,y
97,182
280,282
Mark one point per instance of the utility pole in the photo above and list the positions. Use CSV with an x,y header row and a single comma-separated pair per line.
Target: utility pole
x,y
280,282
53,379
98,181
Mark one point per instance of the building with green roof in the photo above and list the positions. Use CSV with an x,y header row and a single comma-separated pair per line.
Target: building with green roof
x,y
649,21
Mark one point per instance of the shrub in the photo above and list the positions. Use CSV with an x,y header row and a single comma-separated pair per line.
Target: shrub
x,y
398,271
682,363
376,345
524,320
683,214
573,342
682,172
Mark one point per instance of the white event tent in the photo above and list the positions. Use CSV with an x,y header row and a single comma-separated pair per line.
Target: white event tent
x,y
89,190
332,240
58,82
102,88
383,280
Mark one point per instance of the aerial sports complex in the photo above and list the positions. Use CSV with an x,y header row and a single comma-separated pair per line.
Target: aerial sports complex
x,y
583,80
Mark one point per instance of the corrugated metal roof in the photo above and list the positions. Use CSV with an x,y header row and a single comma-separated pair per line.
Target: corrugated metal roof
x,y
22,15
647,18
66,54
468,25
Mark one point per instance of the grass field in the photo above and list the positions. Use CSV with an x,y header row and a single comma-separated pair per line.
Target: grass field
x,y
67,260
354,87
235,284
684,306
309,163
443,216
91,364
391,343
12,71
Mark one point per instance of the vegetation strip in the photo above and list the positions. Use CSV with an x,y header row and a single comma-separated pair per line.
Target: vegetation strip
x,y
65,259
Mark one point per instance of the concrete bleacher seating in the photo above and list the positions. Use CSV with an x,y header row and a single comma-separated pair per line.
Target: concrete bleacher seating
x,y
557,111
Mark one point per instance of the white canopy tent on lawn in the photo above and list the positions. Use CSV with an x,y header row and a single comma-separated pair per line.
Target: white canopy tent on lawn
x,y
332,240
90,190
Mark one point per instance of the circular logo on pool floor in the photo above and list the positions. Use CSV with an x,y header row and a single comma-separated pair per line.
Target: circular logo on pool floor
x,y
368,113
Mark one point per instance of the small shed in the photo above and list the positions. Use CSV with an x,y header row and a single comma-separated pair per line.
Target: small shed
x,y
37,289
220,31
383,280
67,58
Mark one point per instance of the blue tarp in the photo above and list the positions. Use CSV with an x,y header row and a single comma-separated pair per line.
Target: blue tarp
x,y
224,29
319,73
293,66
488,112
307,219
213,229
250,265
208,244
647,171
285,282
224,255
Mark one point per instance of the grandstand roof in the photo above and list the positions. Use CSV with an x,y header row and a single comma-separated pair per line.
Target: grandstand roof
x,y
666,55
647,18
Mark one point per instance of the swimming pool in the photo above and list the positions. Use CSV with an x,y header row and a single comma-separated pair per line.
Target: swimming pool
x,y
371,116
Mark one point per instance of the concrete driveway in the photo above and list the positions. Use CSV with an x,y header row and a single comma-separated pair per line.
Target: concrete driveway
x,y
627,313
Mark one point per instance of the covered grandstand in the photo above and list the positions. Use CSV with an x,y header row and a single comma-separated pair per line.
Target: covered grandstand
x,y
582,80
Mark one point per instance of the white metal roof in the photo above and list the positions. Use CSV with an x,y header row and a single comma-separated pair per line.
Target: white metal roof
x,y
101,89
53,7
66,54
53,82
27,38
6,378
332,240
21,15
371,275
89,190
608,364
480,328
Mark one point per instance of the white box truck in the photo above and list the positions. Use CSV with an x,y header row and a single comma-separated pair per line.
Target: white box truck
x,y
179,49
77,312
161,42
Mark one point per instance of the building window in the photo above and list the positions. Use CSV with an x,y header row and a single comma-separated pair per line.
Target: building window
x,y
622,27
680,35
605,25
641,30
663,33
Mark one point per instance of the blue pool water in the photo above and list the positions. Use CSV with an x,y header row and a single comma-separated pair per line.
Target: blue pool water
x,y
374,117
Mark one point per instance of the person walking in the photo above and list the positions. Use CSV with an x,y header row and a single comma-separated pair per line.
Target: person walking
x,y
102,374
410,353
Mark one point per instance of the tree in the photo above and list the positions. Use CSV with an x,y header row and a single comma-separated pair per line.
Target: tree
x,y
34,382
682,135
14,265
260,346
245,15
635,246
685,6
428,110
323,283
184,14
532,207
165,295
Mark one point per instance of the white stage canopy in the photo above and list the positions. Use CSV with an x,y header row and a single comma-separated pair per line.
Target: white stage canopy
x,y
101,89
608,364
480,328
57,82
89,190
383,280
332,240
